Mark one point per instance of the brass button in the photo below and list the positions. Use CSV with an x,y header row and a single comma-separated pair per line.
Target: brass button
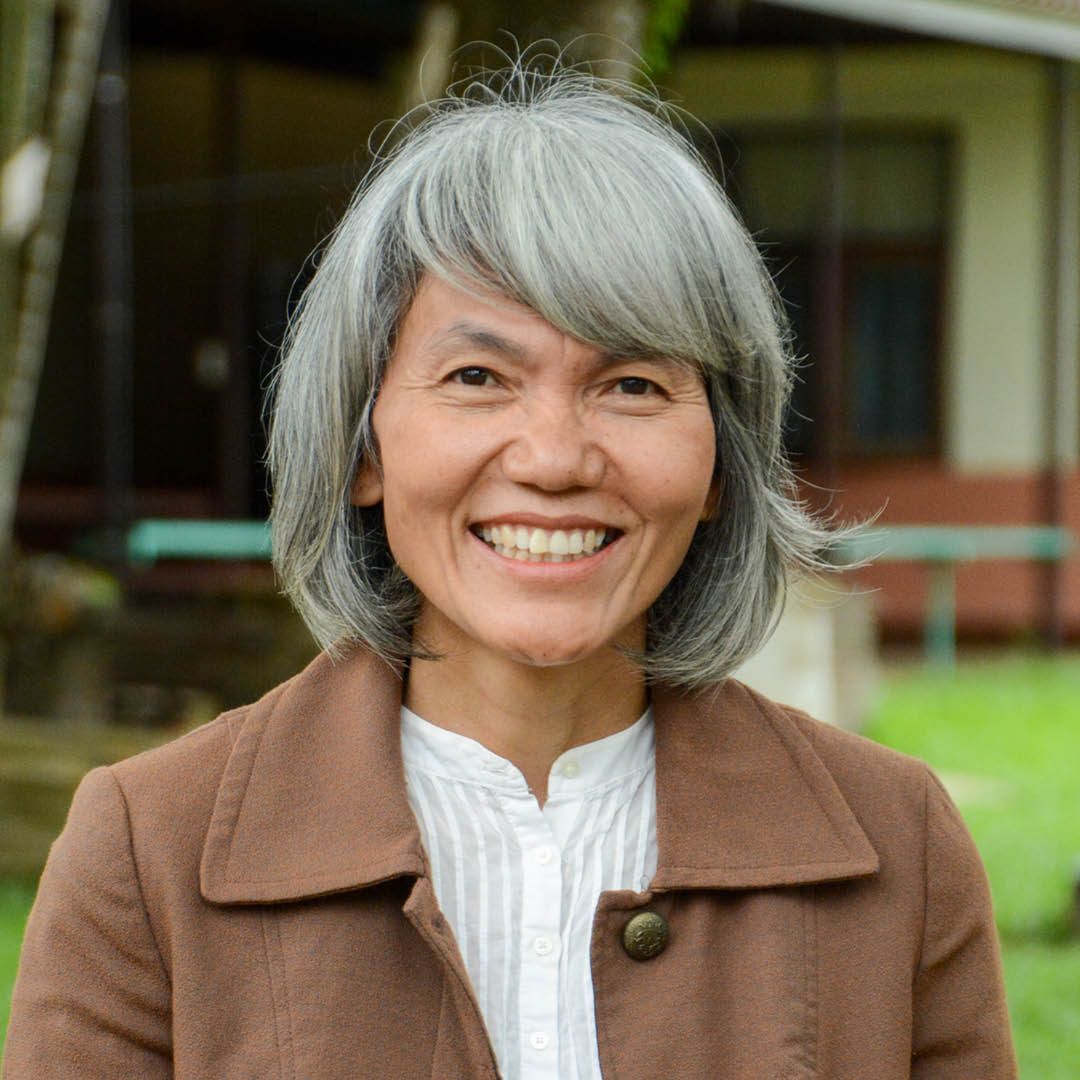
x,y
645,935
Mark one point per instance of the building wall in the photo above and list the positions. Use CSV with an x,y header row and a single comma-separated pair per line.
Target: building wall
x,y
994,106
996,599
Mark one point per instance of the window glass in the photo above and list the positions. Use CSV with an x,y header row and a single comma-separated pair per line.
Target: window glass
x,y
891,338
894,186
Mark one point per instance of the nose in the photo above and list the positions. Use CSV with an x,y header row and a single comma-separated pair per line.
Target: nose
x,y
554,449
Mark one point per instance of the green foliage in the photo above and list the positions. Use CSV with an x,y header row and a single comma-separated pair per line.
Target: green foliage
x,y
663,24
1005,737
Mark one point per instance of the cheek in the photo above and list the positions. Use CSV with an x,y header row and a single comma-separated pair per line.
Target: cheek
x,y
429,474
678,477
411,470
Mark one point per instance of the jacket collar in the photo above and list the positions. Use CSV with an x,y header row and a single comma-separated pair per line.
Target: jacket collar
x,y
742,799
313,798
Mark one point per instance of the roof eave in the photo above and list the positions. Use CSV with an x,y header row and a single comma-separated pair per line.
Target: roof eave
x,y
960,20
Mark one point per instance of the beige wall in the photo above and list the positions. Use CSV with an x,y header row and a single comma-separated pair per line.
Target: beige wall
x,y
994,106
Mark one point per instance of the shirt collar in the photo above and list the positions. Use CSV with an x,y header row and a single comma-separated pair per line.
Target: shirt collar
x,y
578,772
313,798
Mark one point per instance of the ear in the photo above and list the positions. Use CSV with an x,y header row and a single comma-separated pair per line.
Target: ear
x,y
367,486
712,501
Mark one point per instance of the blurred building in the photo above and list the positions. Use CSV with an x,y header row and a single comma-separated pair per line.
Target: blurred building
x,y
911,171
913,181
243,131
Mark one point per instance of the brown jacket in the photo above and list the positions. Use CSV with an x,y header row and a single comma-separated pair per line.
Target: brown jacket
x,y
253,900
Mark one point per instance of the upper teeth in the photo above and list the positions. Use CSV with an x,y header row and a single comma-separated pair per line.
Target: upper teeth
x,y
523,542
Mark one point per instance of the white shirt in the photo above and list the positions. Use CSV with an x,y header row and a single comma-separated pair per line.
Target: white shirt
x,y
519,884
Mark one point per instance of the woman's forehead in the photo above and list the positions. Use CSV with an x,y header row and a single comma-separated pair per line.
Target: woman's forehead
x,y
449,319
445,315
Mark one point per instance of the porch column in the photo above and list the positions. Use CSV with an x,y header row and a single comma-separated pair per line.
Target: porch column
x,y
235,416
115,288
1062,385
828,262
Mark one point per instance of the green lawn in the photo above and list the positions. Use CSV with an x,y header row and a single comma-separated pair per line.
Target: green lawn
x,y
1005,735
14,904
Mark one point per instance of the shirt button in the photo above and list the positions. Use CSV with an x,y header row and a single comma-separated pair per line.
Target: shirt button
x,y
539,1040
570,769
543,946
544,855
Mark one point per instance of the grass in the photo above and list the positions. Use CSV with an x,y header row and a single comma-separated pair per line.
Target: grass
x,y
14,905
1005,735
1043,983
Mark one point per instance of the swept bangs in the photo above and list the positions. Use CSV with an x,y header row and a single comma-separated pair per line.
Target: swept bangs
x,y
566,207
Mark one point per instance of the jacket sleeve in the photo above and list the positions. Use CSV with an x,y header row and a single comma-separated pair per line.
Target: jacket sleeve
x,y
961,1025
92,997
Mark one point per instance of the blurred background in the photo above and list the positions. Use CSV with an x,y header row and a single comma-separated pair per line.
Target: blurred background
x,y
911,169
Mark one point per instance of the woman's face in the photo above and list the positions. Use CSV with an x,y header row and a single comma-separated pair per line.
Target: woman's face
x,y
539,493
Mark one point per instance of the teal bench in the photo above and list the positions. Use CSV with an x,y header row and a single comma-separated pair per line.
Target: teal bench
x,y
942,548
167,538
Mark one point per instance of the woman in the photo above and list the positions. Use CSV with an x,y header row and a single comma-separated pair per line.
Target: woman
x,y
530,495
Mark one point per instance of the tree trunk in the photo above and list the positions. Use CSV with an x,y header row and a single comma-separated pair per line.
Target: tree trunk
x,y
31,245
606,33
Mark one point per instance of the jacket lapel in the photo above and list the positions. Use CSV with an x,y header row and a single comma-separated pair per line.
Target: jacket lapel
x,y
313,798
744,801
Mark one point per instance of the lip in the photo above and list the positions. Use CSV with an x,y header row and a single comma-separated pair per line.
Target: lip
x,y
576,570
541,521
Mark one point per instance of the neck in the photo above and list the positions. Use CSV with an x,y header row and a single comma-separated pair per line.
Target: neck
x,y
524,713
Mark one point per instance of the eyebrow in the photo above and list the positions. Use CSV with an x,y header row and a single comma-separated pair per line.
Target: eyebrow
x,y
476,336
480,337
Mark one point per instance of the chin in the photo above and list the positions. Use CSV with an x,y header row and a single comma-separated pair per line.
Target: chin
x,y
548,653
545,660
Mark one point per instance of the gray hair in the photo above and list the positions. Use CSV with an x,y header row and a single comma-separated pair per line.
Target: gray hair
x,y
585,201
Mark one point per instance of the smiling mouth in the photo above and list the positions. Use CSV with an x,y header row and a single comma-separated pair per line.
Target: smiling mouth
x,y
528,544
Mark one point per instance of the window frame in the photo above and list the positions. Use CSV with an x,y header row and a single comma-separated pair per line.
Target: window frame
x,y
857,248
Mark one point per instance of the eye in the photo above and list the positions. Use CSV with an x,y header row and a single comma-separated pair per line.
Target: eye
x,y
473,376
636,386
